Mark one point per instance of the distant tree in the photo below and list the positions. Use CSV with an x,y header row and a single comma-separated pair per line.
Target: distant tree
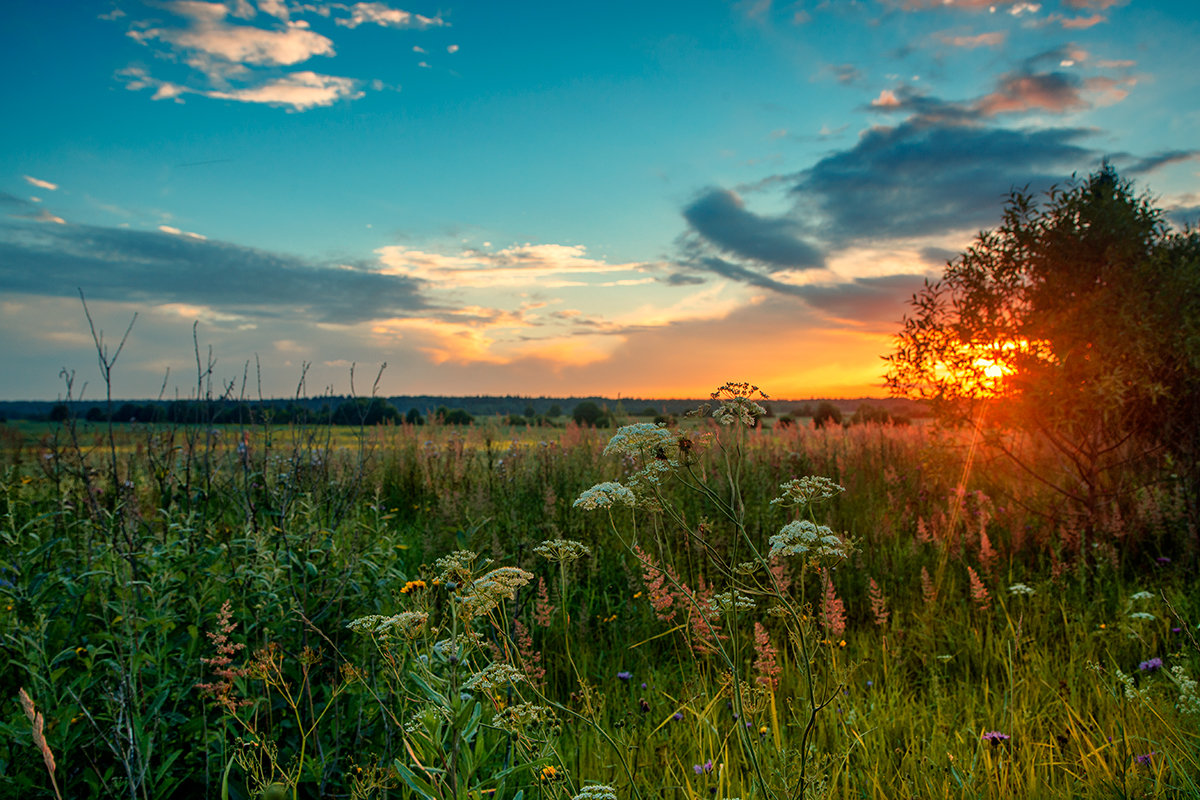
x,y
413,417
517,419
785,421
648,411
588,413
94,414
806,410
554,411
59,412
1074,327
530,412
457,416
868,413
826,413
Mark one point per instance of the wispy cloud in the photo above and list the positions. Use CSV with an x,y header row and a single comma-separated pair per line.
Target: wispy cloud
x,y
543,265
234,52
383,15
721,218
41,184
970,42
171,267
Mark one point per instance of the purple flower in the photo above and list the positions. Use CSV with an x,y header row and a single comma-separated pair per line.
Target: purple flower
x,y
1145,759
702,769
1163,560
677,716
996,737
1153,665
625,676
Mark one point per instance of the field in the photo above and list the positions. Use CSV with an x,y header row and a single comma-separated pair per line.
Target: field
x,y
494,612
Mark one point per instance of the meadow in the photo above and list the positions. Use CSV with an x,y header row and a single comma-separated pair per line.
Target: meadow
x,y
706,611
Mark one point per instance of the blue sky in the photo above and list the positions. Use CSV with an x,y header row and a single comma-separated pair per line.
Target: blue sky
x,y
543,199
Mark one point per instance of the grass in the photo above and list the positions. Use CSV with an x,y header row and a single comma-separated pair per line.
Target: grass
x,y
121,553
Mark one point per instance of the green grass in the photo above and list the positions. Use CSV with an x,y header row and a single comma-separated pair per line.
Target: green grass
x,y
111,589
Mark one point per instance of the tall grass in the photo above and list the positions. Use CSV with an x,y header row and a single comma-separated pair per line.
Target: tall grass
x,y
121,552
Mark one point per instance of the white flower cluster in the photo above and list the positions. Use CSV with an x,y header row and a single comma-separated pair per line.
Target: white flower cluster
x,y
458,646
486,591
562,551
739,409
1142,615
640,439
1021,589
733,600
807,490
455,567
520,715
406,624
1189,692
604,495
596,791
1136,596
652,445
806,539
496,675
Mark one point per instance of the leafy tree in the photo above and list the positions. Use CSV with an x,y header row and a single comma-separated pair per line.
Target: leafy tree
x,y
826,414
588,413
554,411
1070,331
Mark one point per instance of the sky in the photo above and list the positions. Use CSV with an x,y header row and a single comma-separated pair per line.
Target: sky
x,y
540,199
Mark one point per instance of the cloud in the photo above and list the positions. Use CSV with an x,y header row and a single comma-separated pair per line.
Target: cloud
x,y
1151,163
387,17
1053,91
163,268
845,74
721,218
887,99
209,33
993,39
41,184
1079,23
523,265
1098,5
298,91
925,177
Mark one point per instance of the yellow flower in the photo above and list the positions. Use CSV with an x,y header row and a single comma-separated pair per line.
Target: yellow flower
x,y
548,773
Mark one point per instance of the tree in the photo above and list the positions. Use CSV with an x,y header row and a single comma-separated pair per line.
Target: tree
x,y
588,413
826,414
1070,331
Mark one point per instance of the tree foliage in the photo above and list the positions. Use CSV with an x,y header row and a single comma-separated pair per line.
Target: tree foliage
x,y
1076,322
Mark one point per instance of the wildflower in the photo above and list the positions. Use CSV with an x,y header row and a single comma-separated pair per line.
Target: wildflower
x,y
807,491
624,676
548,773
1163,561
456,567
996,738
407,624
765,663
562,551
496,675
733,600
412,586
1142,615
1021,589
486,591
803,538
596,791
878,604
677,716
604,495
1150,665
521,715
738,404
1145,759
762,731
1140,596
979,592
703,769
833,610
